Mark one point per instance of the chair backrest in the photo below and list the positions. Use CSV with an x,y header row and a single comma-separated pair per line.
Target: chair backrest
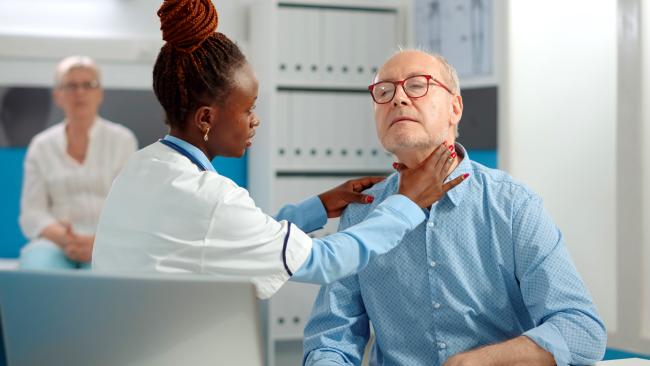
x,y
84,318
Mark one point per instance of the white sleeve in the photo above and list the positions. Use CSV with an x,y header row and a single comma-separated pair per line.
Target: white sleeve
x,y
241,238
35,212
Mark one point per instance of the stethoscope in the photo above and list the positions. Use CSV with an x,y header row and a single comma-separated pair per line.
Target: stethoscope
x,y
185,153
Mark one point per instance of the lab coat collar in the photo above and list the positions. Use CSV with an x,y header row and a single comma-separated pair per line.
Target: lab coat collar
x,y
192,150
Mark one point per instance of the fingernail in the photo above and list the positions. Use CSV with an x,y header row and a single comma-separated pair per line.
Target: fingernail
x,y
453,155
395,165
451,147
369,199
465,176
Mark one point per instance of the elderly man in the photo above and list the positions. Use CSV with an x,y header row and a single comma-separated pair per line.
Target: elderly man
x,y
69,169
485,280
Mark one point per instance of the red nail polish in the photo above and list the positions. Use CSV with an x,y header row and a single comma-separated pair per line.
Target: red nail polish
x,y
395,165
465,176
451,147
369,199
453,155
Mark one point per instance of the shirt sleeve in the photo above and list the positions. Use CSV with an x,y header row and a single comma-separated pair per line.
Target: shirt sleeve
x,y
35,212
338,329
567,323
309,215
349,251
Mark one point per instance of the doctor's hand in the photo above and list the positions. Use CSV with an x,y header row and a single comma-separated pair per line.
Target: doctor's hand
x,y
78,247
424,184
337,199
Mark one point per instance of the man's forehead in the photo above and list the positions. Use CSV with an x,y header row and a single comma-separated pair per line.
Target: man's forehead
x,y
407,64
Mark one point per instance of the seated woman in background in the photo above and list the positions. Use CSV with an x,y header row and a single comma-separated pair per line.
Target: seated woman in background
x,y
69,169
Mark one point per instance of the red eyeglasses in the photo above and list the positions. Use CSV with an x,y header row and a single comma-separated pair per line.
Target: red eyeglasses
x,y
415,87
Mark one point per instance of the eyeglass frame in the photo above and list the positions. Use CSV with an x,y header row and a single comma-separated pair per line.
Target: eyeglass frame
x,y
401,82
85,86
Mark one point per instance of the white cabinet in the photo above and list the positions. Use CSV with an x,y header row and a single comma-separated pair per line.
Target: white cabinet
x,y
314,61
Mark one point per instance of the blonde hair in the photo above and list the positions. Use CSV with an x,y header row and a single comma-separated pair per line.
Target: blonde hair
x,y
74,62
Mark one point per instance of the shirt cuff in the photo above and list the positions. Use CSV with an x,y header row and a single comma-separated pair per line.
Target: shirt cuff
x,y
405,208
325,358
547,336
314,213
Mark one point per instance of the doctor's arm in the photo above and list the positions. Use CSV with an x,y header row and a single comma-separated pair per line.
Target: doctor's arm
x,y
312,213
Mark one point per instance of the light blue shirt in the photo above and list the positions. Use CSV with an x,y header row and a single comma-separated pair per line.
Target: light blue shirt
x,y
487,265
346,252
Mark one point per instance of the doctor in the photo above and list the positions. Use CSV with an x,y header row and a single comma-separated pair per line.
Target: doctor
x,y
169,210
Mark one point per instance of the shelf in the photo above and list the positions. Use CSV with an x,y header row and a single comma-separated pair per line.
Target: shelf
x,y
365,5
319,86
331,172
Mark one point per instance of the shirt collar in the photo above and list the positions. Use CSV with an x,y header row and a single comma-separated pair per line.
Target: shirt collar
x,y
457,194
192,150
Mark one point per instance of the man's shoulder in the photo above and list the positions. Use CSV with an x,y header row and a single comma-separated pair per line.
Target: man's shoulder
x,y
356,212
499,183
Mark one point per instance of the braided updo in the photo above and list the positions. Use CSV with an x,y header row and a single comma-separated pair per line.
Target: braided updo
x,y
196,64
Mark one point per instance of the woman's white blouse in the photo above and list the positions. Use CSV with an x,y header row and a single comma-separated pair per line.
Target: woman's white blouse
x,y
58,188
164,215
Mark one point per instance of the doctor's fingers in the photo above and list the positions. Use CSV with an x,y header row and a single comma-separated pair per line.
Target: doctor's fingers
x,y
361,184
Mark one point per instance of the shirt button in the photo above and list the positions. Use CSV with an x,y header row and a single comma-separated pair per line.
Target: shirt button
x,y
432,263
442,345
436,305
430,224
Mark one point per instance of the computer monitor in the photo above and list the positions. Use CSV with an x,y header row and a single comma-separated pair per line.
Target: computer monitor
x,y
82,318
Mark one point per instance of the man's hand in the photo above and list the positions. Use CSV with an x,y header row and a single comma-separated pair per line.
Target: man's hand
x,y
471,358
337,199
78,248
517,351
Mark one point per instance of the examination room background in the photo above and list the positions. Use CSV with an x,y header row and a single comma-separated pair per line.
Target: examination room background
x,y
559,99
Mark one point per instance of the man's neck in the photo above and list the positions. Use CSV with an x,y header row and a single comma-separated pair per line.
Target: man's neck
x,y
414,157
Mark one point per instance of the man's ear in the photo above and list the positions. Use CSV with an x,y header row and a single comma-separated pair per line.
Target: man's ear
x,y
456,109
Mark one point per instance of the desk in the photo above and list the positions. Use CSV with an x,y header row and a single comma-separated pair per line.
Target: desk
x,y
625,362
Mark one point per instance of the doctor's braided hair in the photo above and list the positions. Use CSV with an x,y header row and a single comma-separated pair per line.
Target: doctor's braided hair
x,y
196,64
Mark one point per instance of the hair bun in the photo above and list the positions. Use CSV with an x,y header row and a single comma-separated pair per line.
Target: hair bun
x,y
185,24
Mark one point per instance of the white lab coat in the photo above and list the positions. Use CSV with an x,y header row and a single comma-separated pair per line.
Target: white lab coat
x,y
165,215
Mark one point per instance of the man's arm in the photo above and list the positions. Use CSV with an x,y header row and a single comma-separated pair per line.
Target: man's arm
x,y
568,328
517,351
338,328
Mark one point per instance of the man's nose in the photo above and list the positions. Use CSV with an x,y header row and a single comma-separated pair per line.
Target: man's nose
x,y
400,97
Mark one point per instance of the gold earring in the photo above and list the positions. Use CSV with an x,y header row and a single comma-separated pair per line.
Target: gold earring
x,y
205,137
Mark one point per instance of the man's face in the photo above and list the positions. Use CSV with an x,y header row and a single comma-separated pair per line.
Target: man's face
x,y
79,93
412,124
